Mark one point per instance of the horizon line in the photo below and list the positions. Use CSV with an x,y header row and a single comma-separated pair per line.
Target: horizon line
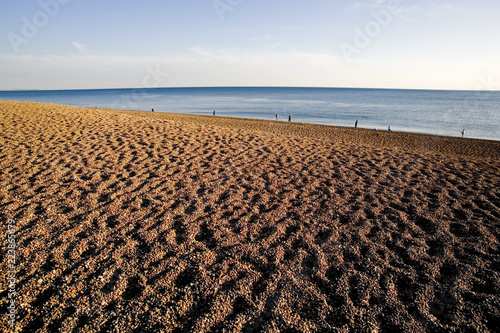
x,y
250,86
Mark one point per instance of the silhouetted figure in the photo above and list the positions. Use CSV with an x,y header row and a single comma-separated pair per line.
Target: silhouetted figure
x,y
276,116
463,132
389,128
152,110
289,118
356,124
214,112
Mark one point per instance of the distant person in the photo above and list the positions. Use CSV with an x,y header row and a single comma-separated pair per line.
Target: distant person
x,y
214,112
289,118
152,110
276,116
356,124
389,128
463,132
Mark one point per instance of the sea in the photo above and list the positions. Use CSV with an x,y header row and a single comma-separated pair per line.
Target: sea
x,y
436,112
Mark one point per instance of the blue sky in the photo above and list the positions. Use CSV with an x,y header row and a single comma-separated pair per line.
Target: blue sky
x,y
77,44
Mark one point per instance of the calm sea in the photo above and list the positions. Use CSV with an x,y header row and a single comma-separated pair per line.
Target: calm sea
x,y
420,111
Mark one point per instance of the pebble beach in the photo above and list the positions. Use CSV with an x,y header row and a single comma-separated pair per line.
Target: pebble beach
x,y
129,221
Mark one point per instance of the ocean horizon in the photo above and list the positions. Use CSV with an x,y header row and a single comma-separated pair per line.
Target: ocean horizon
x,y
435,112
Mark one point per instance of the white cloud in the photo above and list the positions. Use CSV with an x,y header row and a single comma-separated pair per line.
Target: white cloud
x,y
200,50
407,10
359,5
442,10
268,42
82,48
273,46
232,67
198,67
369,4
374,5
258,39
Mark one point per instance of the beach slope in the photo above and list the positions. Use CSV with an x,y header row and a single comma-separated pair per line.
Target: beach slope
x,y
147,222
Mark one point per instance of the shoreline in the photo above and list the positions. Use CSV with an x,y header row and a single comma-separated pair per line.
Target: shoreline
x,y
435,119
415,142
397,140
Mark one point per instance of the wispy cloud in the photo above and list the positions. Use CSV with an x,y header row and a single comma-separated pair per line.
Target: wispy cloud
x,y
199,66
442,10
231,67
407,10
367,4
401,7
269,41
200,50
258,39
82,48
272,46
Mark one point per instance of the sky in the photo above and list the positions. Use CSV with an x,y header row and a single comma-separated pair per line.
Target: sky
x,y
404,44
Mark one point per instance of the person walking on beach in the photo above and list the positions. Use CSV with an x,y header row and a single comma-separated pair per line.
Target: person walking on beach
x,y
276,116
289,118
152,110
214,112
356,124
389,128
463,132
